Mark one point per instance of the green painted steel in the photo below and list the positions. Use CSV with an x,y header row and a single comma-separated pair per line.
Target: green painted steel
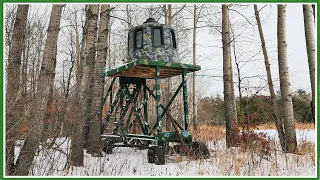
x,y
132,100
133,104
158,94
121,123
135,110
171,100
185,99
112,106
153,64
154,96
172,136
128,120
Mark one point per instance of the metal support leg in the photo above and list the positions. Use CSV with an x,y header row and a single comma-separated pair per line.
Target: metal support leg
x,y
185,99
158,91
121,122
145,107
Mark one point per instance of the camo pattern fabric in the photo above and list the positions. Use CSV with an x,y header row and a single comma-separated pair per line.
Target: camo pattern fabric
x,y
165,52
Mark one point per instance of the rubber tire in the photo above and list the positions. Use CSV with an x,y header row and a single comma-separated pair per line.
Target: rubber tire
x,y
178,148
151,155
156,155
108,146
200,149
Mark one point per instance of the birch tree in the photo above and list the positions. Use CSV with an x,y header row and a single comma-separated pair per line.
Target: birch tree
x,y
194,57
310,43
80,59
84,96
314,12
94,147
289,124
45,83
13,84
276,112
168,80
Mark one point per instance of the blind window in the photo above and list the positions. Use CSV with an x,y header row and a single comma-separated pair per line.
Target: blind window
x,y
138,39
157,37
173,39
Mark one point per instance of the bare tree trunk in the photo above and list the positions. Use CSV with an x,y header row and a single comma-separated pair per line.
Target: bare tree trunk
x,y
80,62
168,81
234,104
24,75
235,120
79,48
289,125
194,47
109,49
46,80
170,15
310,43
13,84
91,56
97,104
227,80
276,113
85,95
48,115
165,14
240,114
314,12
24,79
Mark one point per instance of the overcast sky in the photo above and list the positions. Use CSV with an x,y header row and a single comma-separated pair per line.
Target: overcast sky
x,y
296,49
248,46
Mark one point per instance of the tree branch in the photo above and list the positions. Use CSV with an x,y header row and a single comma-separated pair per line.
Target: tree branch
x,y
242,16
122,20
178,11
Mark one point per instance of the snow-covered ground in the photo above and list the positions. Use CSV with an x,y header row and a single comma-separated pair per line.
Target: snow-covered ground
x,y
302,135
223,162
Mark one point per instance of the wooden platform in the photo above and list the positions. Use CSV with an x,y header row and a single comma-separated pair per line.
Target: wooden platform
x,y
146,69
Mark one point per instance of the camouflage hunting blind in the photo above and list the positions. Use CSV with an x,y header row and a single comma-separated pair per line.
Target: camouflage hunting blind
x,y
152,41
152,56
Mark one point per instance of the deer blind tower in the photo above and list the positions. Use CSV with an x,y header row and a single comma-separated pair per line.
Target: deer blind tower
x,y
152,57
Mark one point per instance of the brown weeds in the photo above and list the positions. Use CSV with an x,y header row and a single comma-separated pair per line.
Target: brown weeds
x,y
298,126
209,133
308,148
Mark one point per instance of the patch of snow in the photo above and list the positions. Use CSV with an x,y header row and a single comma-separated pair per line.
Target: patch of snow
x,y
302,135
133,162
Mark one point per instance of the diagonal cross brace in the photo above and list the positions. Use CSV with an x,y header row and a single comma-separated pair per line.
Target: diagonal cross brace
x,y
167,113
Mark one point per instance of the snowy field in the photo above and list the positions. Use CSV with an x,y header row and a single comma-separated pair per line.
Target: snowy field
x,y
302,135
223,162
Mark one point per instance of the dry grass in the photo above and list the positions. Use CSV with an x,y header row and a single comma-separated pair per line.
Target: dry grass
x,y
223,161
209,133
214,133
308,148
298,126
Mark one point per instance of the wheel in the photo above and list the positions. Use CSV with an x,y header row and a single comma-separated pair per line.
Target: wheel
x,y
108,146
151,155
170,150
178,148
156,155
199,149
144,144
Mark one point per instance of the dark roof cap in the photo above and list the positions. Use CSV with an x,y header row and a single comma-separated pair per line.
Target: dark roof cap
x,y
150,20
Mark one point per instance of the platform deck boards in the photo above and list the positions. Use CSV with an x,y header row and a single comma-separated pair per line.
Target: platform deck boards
x,y
146,69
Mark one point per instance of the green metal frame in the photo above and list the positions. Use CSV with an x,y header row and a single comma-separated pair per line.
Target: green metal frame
x,y
153,64
125,99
